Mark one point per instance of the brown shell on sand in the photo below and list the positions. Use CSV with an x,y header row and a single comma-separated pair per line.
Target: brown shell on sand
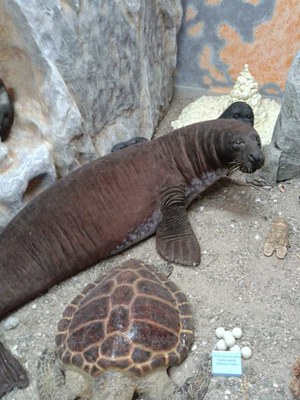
x,y
295,381
132,319
277,239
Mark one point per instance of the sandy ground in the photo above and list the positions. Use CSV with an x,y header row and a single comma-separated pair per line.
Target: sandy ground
x,y
235,285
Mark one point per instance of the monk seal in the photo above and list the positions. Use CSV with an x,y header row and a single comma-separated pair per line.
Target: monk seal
x,y
6,112
238,110
127,143
241,111
111,203
116,201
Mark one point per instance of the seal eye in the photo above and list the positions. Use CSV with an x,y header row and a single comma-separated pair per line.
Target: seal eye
x,y
237,144
236,116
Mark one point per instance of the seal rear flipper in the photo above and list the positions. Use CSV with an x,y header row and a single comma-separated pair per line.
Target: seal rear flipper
x,y
12,374
175,239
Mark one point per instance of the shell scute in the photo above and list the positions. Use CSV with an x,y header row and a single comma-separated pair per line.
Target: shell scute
x,y
140,355
156,311
115,345
77,360
154,337
95,310
146,287
122,295
85,336
159,361
132,319
91,355
63,324
100,290
127,277
119,320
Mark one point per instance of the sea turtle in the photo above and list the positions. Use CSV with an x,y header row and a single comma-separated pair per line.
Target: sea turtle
x,y
277,239
122,333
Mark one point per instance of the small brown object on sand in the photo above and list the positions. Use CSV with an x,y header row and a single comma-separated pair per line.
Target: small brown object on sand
x,y
277,239
295,381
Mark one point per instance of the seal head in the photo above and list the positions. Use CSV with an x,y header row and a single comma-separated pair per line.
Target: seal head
x,y
241,147
239,110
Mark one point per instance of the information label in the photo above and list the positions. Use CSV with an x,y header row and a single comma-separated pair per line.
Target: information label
x,y
226,363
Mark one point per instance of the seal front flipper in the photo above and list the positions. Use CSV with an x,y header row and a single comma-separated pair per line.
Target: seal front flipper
x,y
12,374
175,239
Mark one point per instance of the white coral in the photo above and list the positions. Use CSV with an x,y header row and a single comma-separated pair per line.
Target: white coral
x,y
245,89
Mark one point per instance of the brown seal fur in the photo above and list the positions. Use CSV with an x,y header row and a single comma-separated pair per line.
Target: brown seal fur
x,y
115,201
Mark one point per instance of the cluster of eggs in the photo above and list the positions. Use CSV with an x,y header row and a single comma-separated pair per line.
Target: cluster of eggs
x,y
227,341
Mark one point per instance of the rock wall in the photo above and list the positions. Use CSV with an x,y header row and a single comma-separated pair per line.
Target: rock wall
x,y
286,135
282,155
83,75
218,37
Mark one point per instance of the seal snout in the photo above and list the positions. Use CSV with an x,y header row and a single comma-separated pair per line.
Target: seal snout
x,y
257,159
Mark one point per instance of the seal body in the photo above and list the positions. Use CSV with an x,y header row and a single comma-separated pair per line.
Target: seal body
x,y
111,203
130,142
238,110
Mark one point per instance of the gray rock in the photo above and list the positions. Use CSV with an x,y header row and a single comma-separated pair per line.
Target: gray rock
x,y
282,155
28,173
11,323
286,135
267,175
85,76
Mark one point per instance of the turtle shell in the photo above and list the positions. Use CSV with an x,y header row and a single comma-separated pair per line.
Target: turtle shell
x,y
133,319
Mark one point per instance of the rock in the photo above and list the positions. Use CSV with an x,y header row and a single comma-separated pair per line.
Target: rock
x,y
29,171
286,136
267,175
85,75
11,323
283,154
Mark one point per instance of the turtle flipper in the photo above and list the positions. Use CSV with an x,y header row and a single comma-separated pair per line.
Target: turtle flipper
x,y
175,239
197,385
51,378
55,382
12,374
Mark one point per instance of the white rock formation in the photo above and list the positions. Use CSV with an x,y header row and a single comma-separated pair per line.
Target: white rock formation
x,y
85,75
245,89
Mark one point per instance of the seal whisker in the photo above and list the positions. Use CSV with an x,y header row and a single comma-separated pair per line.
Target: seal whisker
x,y
233,168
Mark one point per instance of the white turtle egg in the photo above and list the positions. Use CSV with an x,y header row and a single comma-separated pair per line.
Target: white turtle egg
x,y
237,332
221,345
236,347
246,352
229,339
220,332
